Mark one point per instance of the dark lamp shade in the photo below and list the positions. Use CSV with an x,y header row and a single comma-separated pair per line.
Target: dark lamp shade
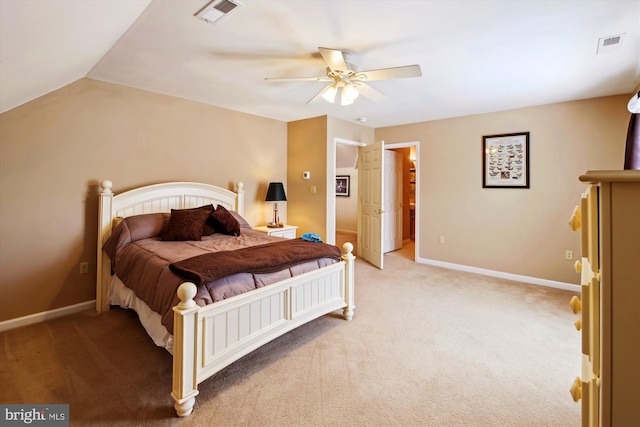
x,y
275,193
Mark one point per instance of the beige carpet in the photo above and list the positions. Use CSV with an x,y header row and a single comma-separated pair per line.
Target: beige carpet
x,y
427,347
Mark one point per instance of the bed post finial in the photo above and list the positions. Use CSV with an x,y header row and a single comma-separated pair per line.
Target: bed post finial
x,y
186,292
106,186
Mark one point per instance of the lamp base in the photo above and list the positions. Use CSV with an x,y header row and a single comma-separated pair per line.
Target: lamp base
x,y
275,225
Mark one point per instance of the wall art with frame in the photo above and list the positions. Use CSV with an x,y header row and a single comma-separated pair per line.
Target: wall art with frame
x,y
505,160
343,185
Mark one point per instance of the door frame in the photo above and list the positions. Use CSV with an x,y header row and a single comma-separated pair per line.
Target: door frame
x,y
331,185
391,146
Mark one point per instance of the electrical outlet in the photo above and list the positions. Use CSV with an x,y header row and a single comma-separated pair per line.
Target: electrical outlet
x,y
84,268
568,255
441,240
312,189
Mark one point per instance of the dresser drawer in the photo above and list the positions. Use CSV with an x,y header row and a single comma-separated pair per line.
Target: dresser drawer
x,y
286,231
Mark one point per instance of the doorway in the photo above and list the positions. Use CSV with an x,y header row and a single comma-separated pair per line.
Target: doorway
x,y
410,152
342,209
393,205
410,247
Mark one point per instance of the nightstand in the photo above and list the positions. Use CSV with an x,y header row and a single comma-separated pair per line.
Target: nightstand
x,y
287,231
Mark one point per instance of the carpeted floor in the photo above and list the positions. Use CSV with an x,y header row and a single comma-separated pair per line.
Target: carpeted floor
x,y
427,347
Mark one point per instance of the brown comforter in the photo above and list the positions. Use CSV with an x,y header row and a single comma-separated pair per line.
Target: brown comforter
x,y
266,258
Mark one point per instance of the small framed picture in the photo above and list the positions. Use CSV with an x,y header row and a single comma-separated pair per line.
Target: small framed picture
x,y
505,160
342,185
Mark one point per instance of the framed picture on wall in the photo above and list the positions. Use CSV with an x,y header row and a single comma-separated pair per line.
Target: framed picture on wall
x,y
505,160
342,185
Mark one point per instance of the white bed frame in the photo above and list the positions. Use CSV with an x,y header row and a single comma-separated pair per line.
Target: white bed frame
x,y
207,339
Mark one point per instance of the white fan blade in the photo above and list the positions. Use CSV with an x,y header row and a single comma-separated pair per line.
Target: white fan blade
x,y
334,59
390,73
309,79
371,93
319,94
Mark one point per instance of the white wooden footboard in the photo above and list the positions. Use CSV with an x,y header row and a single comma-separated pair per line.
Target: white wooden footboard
x,y
207,339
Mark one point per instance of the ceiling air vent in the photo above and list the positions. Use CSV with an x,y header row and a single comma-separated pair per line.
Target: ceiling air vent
x,y
610,44
216,9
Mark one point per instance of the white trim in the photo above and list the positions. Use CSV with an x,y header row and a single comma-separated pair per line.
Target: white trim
x,y
46,315
502,275
394,145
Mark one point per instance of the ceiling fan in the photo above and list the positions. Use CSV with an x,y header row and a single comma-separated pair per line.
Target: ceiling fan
x,y
347,81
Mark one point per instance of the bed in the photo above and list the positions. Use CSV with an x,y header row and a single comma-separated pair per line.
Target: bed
x,y
205,338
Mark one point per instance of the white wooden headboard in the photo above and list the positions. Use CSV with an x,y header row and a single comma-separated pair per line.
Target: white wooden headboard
x,y
152,199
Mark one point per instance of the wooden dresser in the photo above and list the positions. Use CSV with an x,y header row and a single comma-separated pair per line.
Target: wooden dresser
x,y
608,218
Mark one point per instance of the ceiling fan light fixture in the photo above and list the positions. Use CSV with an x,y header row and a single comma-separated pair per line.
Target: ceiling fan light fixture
x,y
329,95
346,101
348,95
345,78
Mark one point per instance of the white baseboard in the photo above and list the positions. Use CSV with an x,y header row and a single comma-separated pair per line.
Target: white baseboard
x,y
502,275
46,315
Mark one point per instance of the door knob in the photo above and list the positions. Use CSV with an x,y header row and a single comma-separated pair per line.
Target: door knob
x,y
575,304
578,266
576,219
576,389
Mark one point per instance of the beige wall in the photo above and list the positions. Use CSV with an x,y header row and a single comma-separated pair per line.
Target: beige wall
x,y
337,128
56,149
517,231
307,151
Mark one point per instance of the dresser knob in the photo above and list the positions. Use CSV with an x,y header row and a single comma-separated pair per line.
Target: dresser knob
x,y
575,304
576,389
578,266
578,324
576,219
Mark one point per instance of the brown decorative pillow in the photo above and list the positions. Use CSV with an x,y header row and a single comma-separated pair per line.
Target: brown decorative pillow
x,y
187,224
225,222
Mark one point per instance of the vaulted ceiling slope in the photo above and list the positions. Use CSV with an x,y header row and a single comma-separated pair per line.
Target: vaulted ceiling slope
x,y
476,56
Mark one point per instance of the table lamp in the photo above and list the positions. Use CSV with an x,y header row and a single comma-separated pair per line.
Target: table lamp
x,y
275,193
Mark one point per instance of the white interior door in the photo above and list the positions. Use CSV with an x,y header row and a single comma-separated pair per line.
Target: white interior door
x,y
371,190
392,204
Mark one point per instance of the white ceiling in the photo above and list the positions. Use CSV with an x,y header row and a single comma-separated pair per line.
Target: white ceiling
x,y
476,56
